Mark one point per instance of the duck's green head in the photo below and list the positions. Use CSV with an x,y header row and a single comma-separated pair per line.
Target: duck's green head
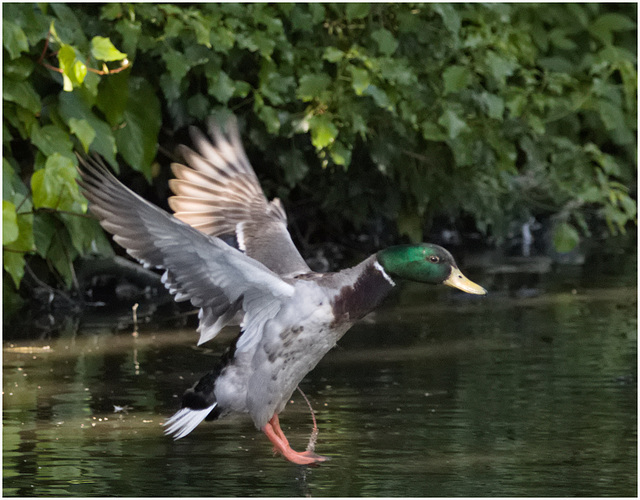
x,y
426,263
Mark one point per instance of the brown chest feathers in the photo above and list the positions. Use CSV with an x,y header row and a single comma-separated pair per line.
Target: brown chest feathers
x,y
357,299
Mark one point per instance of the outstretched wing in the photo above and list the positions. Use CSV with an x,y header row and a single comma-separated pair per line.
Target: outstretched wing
x,y
214,276
219,194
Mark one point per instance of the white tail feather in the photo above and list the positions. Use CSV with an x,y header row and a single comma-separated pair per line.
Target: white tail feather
x,y
185,420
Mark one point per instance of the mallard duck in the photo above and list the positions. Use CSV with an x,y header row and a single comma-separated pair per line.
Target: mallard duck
x,y
227,250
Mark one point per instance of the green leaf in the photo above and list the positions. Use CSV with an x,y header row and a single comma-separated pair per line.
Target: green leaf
x,y
221,87
274,86
449,15
19,69
456,78
112,98
137,140
24,242
177,65
494,105
9,223
269,117
13,263
340,153
83,131
54,186
499,67
379,96
82,232
198,106
294,166
130,31
311,86
103,50
221,39
51,139
387,44
68,25
13,39
323,131
332,54
452,123
61,254
13,189
611,114
45,227
72,106
357,10
431,132
73,70
604,26
359,79
21,93
565,237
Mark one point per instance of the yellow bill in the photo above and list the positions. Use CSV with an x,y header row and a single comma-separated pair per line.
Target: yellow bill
x,y
458,280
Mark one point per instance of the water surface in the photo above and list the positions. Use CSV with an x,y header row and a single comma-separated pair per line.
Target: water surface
x,y
437,394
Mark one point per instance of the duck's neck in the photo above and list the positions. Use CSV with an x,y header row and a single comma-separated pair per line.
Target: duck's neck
x,y
366,287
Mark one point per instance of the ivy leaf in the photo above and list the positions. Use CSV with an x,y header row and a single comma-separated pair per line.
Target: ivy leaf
x,y
54,186
9,223
323,131
494,105
84,234
452,123
387,44
456,78
269,117
449,15
431,132
221,87
177,64
83,131
340,153
379,96
359,79
137,141
604,26
198,106
274,86
13,263
21,93
73,70
24,241
113,96
103,50
72,106
357,10
61,254
45,227
332,54
499,67
565,237
18,69
51,139
13,39
312,85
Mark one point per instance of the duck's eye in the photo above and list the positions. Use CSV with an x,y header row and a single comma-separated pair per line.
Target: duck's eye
x,y
434,258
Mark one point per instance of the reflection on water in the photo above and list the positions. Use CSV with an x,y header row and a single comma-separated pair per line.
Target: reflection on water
x,y
497,396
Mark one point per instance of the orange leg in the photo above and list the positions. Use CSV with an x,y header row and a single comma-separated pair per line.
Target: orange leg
x,y
281,445
275,423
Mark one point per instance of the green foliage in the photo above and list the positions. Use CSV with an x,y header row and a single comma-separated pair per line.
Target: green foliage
x,y
398,112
